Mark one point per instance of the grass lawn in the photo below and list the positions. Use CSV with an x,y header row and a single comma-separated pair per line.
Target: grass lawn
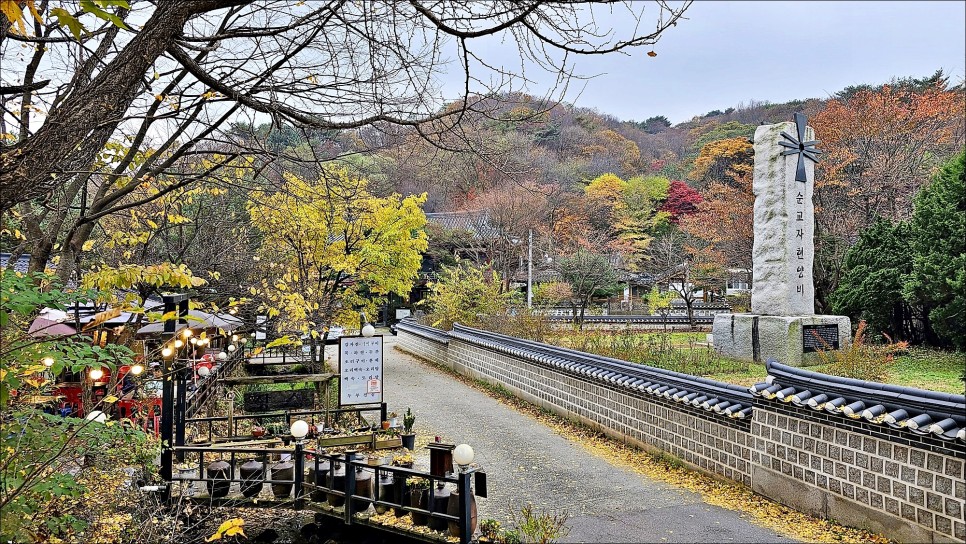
x,y
922,368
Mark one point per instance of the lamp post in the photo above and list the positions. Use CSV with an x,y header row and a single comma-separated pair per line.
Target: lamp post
x,y
172,303
299,429
463,456
529,270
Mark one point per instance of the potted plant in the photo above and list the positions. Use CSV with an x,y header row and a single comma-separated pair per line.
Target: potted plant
x,y
418,498
393,420
405,460
408,437
258,431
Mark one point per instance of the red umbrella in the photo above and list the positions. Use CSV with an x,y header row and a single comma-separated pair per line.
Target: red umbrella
x,y
45,327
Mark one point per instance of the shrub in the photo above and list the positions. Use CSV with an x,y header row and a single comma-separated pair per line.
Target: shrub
x,y
862,361
533,527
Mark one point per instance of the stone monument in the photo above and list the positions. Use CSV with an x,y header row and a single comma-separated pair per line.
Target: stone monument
x,y
782,324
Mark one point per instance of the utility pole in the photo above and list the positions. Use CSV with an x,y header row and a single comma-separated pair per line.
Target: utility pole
x,y
530,270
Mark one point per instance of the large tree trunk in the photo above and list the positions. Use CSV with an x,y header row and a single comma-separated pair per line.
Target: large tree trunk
x,y
63,145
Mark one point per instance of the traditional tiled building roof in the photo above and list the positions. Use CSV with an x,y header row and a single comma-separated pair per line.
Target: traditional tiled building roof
x,y
475,221
918,411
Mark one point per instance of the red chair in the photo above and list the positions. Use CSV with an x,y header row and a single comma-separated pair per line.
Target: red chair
x,y
152,415
128,408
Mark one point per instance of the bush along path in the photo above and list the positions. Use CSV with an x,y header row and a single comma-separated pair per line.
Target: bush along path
x,y
612,492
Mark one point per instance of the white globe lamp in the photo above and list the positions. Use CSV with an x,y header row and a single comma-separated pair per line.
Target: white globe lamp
x,y
463,455
368,330
299,429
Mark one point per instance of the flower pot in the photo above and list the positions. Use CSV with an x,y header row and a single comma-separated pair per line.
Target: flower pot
x,y
252,473
364,489
453,509
385,425
283,471
408,441
219,470
441,497
337,476
319,477
400,495
419,498
386,492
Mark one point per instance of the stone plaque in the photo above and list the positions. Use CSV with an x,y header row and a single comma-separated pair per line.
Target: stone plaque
x,y
820,337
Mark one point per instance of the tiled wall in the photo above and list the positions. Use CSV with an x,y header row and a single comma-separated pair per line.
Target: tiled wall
x,y
891,473
908,487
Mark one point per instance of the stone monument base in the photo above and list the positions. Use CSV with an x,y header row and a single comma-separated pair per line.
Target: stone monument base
x,y
791,340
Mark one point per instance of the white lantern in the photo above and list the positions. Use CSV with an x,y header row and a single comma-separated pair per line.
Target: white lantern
x,y
231,347
463,455
178,343
166,352
222,356
137,369
96,374
368,330
48,361
299,429
204,371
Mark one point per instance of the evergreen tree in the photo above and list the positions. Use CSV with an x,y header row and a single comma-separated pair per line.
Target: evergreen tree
x,y
871,285
938,239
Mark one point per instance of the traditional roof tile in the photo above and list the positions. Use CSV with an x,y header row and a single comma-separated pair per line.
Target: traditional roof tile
x,y
920,411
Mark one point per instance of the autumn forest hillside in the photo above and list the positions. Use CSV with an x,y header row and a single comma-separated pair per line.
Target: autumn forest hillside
x,y
656,199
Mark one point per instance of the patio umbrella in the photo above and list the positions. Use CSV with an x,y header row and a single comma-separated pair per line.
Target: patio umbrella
x,y
45,327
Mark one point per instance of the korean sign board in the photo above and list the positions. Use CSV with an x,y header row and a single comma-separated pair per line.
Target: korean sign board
x,y
360,370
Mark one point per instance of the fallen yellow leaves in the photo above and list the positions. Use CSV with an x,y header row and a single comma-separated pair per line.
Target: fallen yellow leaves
x,y
666,468
232,527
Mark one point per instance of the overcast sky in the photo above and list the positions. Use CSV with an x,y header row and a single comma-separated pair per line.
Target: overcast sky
x,y
727,53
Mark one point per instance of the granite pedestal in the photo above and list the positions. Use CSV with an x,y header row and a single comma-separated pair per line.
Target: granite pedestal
x,y
757,338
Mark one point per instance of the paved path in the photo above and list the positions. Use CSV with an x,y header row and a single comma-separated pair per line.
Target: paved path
x,y
526,461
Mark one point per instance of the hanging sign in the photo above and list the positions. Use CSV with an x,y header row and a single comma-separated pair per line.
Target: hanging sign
x,y
360,370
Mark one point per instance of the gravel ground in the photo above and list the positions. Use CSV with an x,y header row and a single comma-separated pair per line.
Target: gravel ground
x,y
526,461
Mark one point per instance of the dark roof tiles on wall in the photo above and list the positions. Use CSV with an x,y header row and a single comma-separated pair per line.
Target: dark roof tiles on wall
x,y
921,412
714,397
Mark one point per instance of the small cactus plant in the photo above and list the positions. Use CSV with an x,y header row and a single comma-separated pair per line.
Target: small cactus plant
x,y
408,420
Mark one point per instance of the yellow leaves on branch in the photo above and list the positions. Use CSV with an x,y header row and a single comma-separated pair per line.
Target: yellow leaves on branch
x,y
127,276
232,527
13,10
324,240
102,317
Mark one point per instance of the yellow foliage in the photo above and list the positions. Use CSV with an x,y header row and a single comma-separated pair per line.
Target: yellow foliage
x,y
325,242
232,527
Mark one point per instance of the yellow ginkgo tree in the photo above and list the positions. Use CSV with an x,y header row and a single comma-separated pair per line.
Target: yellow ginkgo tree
x,y
330,247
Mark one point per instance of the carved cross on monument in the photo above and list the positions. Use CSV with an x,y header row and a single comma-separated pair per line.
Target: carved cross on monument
x,y
800,147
